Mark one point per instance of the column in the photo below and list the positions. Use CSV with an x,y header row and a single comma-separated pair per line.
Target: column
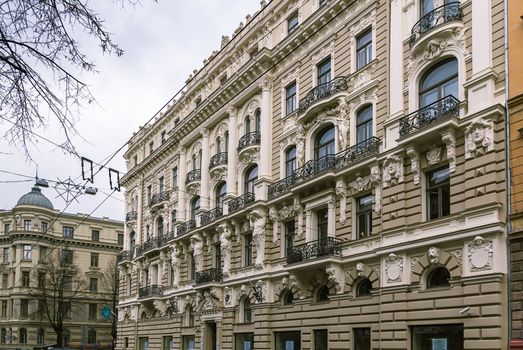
x,y
204,180
396,59
181,185
266,130
139,210
308,226
232,155
331,225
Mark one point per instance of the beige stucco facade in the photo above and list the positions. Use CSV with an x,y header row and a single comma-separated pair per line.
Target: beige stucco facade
x,y
344,201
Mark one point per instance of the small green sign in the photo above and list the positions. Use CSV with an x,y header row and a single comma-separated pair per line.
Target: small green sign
x,y
106,312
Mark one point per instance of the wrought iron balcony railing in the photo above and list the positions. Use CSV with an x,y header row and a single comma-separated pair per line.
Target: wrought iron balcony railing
x,y
446,13
322,91
440,110
164,239
185,227
209,275
252,138
132,215
218,159
241,202
148,245
193,175
126,255
150,291
358,152
315,167
158,198
211,215
328,246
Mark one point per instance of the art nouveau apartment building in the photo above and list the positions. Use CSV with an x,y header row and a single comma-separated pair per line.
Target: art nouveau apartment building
x,y
333,177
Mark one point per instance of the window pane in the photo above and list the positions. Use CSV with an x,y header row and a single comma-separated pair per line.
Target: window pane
x,y
361,338
321,339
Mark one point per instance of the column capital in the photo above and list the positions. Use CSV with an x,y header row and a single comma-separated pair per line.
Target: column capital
x,y
232,111
265,84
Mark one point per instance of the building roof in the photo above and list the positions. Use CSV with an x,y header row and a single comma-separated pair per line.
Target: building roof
x,y
36,198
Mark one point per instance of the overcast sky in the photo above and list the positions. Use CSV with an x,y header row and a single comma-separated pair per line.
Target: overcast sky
x,y
163,42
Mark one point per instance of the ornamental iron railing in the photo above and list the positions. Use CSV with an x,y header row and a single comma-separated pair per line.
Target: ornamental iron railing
x,y
323,91
125,255
164,239
158,198
132,215
209,275
193,175
249,139
211,215
150,244
241,202
328,246
440,110
446,13
218,159
185,227
150,291
358,152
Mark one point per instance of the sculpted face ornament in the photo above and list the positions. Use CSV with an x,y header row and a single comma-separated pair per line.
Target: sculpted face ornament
x,y
479,138
433,255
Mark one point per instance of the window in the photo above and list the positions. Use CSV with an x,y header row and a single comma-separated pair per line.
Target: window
x,y
68,231
440,81
437,337
221,192
41,279
289,236
288,298
438,193
161,184
322,294
3,335
94,259
323,225
364,124
4,308
40,336
321,339
290,161
67,283
323,2
95,235
120,238
26,251
151,147
25,279
27,225
93,311
174,177
135,160
159,227
287,340
223,79
5,258
195,206
217,257
67,256
167,343
91,337
188,342
198,101
41,308
292,22
324,143
7,229
162,136
189,317
149,194
93,285
243,341
126,342
24,307
247,249
364,288
247,311
324,72
22,336
43,252
364,49
192,268
290,98
250,177
5,278
44,227
363,216
257,119
439,277
361,338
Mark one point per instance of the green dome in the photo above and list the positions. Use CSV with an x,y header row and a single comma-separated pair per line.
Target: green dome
x,y
36,198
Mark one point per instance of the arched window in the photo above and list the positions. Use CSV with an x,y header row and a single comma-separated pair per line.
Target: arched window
x,y
247,310
364,124
199,159
257,121
91,336
218,144
189,317
439,277
324,143
195,206
221,191
251,175
322,294
3,334
364,288
132,240
288,298
226,136
440,81
290,161
40,336
159,227
426,7
147,233
173,219
247,124
22,336
194,161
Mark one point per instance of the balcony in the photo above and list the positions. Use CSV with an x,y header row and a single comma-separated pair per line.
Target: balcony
x,y
324,247
357,153
164,239
148,245
322,92
158,199
131,216
434,113
209,275
126,255
153,290
211,215
241,202
250,139
443,14
217,160
193,176
185,227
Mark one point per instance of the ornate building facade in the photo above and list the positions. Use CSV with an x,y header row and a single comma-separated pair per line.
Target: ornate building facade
x,y
333,177
31,233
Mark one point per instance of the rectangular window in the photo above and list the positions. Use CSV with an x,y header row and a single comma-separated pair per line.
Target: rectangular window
x,y
5,258
68,231
26,252
167,343
27,225
25,279
217,257
4,308
144,343
361,338
93,285
198,101
437,337
120,238
135,160
41,279
44,227
149,194
151,147
7,228
289,237
126,342
243,341
43,253
161,186
364,49
24,307
438,193
292,22
290,98
95,235
192,268
41,308
323,2
363,216
93,311
5,279
188,342
247,249
67,282
174,178
223,79
324,72
66,309
94,259
67,256
323,224
287,340
163,138
321,339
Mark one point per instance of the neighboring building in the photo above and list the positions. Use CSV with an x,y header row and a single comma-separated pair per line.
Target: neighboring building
x,y
515,111
333,177
30,233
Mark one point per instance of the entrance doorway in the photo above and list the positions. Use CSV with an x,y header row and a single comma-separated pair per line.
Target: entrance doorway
x,y
210,336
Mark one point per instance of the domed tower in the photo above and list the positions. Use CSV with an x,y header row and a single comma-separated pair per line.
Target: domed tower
x,y
35,198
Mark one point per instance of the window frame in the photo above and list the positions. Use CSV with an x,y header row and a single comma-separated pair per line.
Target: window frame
x,y
326,76
363,122
249,179
67,231
247,250
365,212
291,160
293,22
291,98
27,252
95,259
438,87
366,47
95,235
428,188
